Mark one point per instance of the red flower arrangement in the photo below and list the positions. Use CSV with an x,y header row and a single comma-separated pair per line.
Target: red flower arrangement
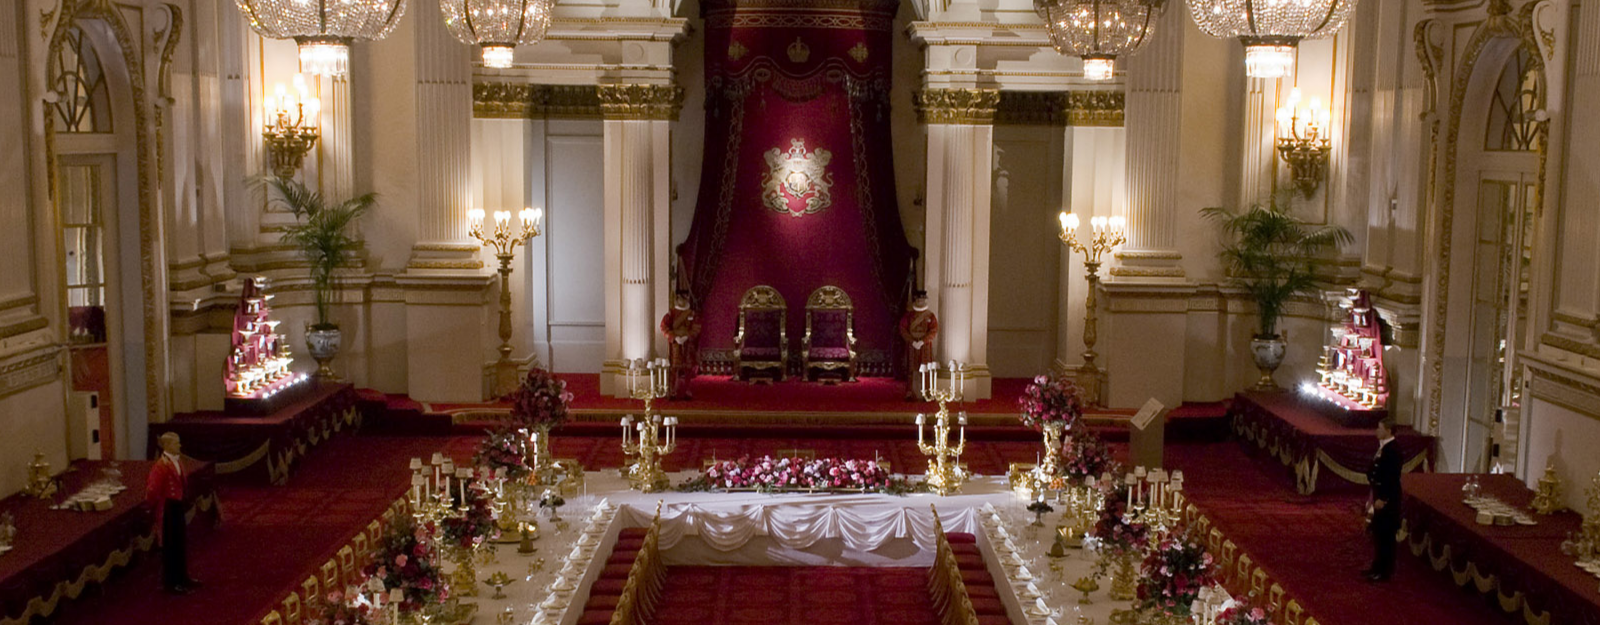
x,y
471,526
404,560
333,609
1243,614
1086,457
1174,573
772,474
1114,534
1050,400
541,400
506,448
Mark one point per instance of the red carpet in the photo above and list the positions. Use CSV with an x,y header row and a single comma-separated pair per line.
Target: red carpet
x,y
269,540
1315,546
740,595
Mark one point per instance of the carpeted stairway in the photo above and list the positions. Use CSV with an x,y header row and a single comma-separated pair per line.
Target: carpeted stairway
x,y
770,595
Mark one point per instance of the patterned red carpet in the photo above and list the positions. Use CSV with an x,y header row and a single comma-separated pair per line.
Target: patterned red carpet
x,y
1315,546
768,595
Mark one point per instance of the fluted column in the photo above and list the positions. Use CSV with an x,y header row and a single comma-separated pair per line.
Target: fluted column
x,y
637,139
1154,119
444,146
956,249
1259,157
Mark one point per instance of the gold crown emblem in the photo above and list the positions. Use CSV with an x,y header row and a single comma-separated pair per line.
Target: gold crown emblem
x,y
799,51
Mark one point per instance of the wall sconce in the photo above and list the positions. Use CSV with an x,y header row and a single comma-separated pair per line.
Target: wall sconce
x,y
291,127
1303,141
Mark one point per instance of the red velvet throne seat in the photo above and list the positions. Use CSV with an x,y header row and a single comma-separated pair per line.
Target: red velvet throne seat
x,y
762,344
830,342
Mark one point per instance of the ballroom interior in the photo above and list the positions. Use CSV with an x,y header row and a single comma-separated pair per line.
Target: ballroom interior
x,y
387,265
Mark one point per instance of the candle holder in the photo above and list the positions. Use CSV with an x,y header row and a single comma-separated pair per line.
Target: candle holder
x,y
291,128
1109,232
505,240
945,474
657,436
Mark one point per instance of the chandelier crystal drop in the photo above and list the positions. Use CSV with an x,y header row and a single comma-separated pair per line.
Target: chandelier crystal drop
x,y
323,29
1270,29
498,26
1099,30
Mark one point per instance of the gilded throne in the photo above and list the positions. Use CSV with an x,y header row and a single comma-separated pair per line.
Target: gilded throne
x,y
830,342
762,345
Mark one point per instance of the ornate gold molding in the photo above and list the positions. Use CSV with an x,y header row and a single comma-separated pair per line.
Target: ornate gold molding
x,y
506,100
641,102
27,373
956,106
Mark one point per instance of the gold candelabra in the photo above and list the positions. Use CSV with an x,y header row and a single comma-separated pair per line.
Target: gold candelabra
x,y
1109,232
505,240
1155,498
1303,142
657,435
291,128
945,474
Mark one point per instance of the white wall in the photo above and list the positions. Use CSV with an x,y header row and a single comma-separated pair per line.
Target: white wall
x,y
1024,251
1567,437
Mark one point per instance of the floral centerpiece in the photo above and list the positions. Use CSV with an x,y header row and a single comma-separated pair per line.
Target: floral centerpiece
x,y
335,609
1242,614
1118,540
472,523
1086,457
767,474
1051,405
539,404
405,560
1173,574
505,448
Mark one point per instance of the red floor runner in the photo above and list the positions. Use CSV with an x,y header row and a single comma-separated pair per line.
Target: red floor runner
x,y
824,595
1315,546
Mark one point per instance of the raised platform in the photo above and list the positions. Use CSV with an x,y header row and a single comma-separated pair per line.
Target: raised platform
x,y
265,448
58,553
1320,451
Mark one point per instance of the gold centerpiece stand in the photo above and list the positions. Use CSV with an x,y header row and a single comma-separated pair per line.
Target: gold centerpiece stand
x,y
644,470
945,473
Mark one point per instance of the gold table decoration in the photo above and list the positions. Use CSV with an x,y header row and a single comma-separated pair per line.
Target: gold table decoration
x,y
464,580
1547,496
1085,585
498,582
1109,232
1123,579
529,532
945,474
505,241
644,473
40,484
507,617
1050,467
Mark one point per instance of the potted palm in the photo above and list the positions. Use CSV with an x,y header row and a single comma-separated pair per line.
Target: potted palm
x,y
1271,254
323,235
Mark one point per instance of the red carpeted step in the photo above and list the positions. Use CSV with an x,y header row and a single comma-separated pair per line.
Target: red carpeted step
x,y
602,602
991,619
970,562
737,595
987,605
978,577
960,538
633,532
595,617
616,571
623,557
608,586
983,591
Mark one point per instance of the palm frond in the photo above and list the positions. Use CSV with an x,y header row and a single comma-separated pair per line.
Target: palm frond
x,y
1272,254
321,233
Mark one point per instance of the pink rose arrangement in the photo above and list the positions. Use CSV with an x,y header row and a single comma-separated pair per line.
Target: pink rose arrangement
x,y
1243,614
1086,457
1173,574
404,560
1050,400
334,609
1114,533
473,522
506,448
773,474
541,400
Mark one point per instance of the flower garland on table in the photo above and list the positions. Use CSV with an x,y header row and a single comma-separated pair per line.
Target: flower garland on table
x,y
1086,457
541,400
505,448
1113,534
474,522
1050,400
405,560
767,474
1243,614
1173,574
334,609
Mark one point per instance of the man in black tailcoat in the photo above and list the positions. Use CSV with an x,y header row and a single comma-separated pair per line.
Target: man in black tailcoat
x,y
1384,506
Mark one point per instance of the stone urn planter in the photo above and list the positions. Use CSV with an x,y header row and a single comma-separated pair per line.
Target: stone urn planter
x,y
1268,353
323,345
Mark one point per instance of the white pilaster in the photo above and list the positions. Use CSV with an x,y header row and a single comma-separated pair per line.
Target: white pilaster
x,y
1154,122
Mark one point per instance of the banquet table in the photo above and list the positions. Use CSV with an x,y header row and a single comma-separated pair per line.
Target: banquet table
x,y
1322,452
1522,564
264,449
60,552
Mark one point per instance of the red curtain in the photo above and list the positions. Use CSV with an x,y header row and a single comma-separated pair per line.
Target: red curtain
x,y
797,187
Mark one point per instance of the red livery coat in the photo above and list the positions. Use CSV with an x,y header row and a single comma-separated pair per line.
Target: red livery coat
x,y
166,482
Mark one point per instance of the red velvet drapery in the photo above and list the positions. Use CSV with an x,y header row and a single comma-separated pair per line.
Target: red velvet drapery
x,y
797,188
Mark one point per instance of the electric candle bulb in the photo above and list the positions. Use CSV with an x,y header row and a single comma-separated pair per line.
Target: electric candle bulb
x,y
313,106
538,216
1070,220
501,217
1119,223
527,217
279,91
475,215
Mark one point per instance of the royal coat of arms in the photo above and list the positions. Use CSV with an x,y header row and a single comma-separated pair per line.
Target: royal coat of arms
x,y
798,183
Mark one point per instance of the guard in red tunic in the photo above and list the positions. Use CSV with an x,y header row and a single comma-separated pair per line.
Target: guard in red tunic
x,y
682,327
918,328
164,490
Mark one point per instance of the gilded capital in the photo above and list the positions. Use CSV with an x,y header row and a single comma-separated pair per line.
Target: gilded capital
x,y
641,102
1094,108
957,106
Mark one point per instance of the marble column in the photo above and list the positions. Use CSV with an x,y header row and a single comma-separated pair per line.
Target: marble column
x,y
638,242
1154,119
956,250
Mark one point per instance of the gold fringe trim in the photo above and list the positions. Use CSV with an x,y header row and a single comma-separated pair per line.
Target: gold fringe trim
x,y
1513,603
278,464
43,607
1308,468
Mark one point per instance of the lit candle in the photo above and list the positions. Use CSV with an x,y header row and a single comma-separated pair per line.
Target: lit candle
x,y
501,217
475,216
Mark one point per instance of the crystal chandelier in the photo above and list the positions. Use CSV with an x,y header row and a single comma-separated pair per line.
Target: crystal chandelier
x,y
323,28
499,26
1270,29
1099,30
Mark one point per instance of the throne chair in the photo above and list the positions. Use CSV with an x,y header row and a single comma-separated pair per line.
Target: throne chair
x,y
829,347
761,347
